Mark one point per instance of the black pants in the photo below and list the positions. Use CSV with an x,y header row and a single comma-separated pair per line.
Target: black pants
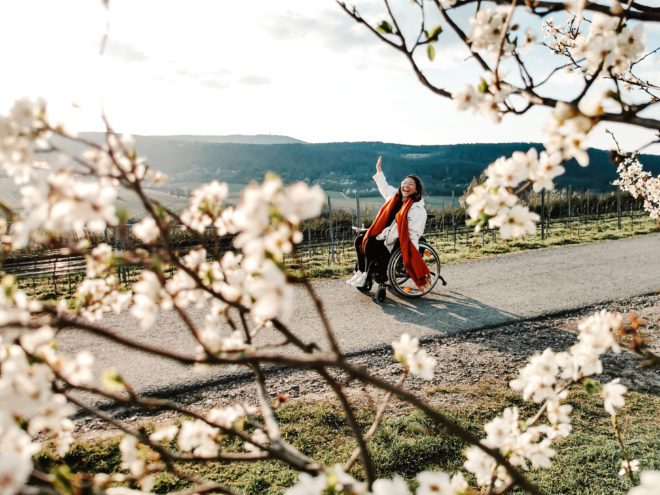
x,y
374,259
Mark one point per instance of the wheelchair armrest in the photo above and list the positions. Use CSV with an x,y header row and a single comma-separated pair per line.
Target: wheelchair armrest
x,y
359,230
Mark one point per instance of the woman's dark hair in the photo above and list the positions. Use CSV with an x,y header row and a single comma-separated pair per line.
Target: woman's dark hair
x,y
419,185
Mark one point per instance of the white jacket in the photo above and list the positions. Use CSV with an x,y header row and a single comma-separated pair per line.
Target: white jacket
x,y
416,216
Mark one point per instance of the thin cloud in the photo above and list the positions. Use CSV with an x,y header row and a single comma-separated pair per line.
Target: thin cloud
x,y
333,28
125,51
210,79
255,80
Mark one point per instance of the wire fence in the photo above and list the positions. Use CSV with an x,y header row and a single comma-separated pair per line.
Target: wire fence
x,y
562,208
330,235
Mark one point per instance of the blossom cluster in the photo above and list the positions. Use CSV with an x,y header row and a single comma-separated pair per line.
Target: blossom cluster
x,y
30,408
407,350
609,46
488,31
523,448
489,98
58,202
336,480
22,132
566,134
117,159
493,201
541,381
639,183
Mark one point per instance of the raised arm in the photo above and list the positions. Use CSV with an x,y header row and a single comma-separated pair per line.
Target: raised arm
x,y
384,188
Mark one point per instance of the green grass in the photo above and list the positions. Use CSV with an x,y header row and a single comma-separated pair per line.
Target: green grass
x,y
320,264
587,462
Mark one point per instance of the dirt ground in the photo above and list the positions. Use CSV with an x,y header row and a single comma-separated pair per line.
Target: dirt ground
x,y
493,355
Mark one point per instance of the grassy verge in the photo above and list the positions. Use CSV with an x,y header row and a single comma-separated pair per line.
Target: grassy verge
x,y
320,264
587,461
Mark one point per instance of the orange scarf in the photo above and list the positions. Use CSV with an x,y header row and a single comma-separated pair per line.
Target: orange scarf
x,y
412,260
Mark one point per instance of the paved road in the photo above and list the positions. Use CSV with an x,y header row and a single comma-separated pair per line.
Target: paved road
x,y
479,293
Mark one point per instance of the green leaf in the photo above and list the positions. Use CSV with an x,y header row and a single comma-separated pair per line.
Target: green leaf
x,y
483,87
385,27
63,480
431,52
591,386
160,212
434,34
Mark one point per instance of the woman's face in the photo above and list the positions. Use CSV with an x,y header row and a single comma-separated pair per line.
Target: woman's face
x,y
408,187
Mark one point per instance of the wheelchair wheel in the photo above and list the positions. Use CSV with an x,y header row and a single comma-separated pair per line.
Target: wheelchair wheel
x,y
400,281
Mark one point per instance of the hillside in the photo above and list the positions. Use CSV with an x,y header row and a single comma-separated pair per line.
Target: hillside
x,y
191,160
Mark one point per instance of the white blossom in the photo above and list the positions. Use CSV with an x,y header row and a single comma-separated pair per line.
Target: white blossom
x,y
164,434
342,481
309,485
480,464
99,260
146,230
98,296
422,365
439,483
488,29
131,459
640,183
258,437
628,466
199,437
148,297
649,483
405,347
515,221
229,417
395,486
537,378
206,205
613,396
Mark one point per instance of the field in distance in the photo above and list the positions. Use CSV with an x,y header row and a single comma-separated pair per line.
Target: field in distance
x,y
176,198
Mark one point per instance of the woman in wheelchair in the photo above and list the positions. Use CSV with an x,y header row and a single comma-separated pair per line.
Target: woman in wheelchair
x,y
400,222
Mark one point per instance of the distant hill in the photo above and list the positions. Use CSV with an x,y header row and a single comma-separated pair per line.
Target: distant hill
x,y
191,160
234,138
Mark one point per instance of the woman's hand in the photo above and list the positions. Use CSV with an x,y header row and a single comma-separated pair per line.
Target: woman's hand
x,y
379,164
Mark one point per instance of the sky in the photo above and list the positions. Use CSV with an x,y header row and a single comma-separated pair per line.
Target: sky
x,y
300,68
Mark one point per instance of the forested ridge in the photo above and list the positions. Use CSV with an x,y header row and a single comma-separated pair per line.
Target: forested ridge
x,y
348,166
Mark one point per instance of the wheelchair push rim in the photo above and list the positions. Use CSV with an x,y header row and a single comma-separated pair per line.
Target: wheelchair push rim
x,y
400,281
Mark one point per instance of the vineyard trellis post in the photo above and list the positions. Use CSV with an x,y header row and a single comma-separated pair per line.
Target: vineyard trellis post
x,y
332,242
453,220
549,213
570,196
618,208
309,237
543,214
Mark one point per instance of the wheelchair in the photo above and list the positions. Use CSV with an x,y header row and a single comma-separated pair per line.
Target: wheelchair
x,y
393,274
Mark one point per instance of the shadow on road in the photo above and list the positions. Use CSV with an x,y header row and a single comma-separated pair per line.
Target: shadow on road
x,y
447,313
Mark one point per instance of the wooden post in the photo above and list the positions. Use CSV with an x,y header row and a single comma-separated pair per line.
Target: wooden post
x,y
570,195
618,208
309,237
332,243
453,220
543,214
357,204
587,212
